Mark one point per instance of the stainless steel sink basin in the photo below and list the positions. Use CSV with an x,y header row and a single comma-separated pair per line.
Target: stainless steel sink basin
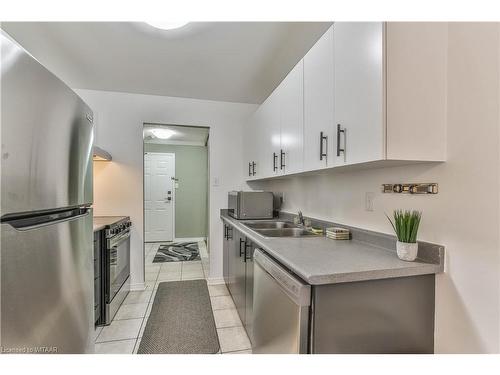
x,y
270,224
279,229
286,232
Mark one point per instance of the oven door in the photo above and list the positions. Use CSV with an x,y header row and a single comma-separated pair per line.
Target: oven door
x,y
117,263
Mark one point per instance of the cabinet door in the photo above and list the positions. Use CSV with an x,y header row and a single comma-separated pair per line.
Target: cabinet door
x,y
250,145
225,255
319,104
238,267
291,99
270,135
358,56
231,261
248,323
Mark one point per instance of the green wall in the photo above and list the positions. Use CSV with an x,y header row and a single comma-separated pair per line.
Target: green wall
x,y
191,196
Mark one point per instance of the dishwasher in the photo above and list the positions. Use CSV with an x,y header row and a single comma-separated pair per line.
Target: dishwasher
x,y
281,304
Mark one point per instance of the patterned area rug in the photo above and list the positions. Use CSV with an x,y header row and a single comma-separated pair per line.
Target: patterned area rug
x,y
177,252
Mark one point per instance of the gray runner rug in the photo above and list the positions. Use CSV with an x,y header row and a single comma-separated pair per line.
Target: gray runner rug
x,y
181,320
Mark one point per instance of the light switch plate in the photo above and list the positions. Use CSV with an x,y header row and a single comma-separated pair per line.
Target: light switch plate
x,y
369,197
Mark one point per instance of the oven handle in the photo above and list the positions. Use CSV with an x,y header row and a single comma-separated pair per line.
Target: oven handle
x,y
116,240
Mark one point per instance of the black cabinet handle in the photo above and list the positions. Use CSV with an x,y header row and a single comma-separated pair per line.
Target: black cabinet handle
x,y
248,244
282,159
241,242
339,150
248,255
253,168
275,162
225,231
249,169
321,139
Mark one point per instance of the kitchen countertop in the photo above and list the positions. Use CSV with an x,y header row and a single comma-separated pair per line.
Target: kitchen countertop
x,y
100,222
319,260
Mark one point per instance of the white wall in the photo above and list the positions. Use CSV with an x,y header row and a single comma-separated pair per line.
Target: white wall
x,y
464,216
118,186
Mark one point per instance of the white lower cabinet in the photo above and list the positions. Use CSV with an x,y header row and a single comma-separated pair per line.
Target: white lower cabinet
x,y
365,92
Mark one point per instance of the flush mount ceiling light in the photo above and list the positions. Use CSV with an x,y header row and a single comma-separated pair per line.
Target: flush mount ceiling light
x,y
163,25
162,133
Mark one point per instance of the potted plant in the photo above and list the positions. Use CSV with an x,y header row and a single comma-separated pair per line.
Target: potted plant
x,y
405,225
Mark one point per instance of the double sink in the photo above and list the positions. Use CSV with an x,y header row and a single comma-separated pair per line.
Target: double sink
x,y
279,229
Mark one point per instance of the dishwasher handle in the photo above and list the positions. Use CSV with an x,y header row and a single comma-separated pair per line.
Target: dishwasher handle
x,y
297,290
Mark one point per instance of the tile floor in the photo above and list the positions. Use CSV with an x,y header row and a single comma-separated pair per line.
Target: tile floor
x,y
124,333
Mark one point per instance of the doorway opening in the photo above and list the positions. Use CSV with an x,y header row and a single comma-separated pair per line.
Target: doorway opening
x,y
176,190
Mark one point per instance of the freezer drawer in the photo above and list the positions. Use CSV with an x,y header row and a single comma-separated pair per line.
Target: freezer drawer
x,y
280,309
47,295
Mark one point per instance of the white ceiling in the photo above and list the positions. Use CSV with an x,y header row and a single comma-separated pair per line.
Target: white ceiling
x,y
187,135
227,61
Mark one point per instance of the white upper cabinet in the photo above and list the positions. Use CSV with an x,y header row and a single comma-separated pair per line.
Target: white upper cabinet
x,y
250,138
365,92
319,120
270,135
359,95
291,99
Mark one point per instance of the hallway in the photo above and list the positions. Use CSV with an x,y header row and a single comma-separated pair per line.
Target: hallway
x,y
124,334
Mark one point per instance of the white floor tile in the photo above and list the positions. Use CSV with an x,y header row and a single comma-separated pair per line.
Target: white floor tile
x,y
192,268
218,290
152,268
192,275
120,330
222,302
169,276
138,297
131,311
171,266
97,331
233,339
115,347
191,263
248,351
226,318
151,276
137,343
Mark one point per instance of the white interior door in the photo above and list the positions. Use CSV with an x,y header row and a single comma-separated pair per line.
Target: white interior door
x,y
159,199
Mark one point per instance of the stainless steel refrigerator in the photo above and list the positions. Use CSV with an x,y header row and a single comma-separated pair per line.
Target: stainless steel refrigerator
x,y
46,220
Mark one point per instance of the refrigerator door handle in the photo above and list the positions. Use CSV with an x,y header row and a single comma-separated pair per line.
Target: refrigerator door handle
x,y
50,218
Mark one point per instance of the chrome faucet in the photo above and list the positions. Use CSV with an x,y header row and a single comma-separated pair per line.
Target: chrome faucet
x,y
301,218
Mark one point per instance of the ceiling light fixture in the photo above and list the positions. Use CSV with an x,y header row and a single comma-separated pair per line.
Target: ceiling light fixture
x,y
163,25
162,133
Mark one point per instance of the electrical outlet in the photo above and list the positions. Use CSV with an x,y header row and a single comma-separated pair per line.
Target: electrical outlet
x,y
369,197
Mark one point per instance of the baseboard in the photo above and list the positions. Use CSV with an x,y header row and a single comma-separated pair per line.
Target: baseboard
x,y
137,287
190,239
215,280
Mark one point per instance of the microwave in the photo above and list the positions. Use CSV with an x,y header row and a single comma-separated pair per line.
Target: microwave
x,y
250,204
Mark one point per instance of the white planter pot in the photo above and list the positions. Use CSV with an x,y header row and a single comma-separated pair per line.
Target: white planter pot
x,y
407,251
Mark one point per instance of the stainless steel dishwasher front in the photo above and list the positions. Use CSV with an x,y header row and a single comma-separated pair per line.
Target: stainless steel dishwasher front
x,y
280,309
